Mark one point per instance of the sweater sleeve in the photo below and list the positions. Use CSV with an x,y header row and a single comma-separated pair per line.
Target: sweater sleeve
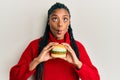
x,y
21,70
88,71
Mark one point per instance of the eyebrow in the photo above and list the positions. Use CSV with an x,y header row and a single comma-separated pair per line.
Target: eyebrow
x,y
53,15
56,15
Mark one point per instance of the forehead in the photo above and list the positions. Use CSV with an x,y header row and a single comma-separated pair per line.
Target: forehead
x,y
60,12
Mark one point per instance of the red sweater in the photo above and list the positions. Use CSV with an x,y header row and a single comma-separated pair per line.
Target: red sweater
x,y
54,69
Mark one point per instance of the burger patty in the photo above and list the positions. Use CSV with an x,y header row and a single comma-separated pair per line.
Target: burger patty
x,y
55,52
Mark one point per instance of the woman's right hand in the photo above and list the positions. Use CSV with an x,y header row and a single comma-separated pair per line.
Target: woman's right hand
x,y
43,56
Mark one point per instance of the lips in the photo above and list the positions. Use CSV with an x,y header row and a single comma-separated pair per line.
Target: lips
x,y
59,31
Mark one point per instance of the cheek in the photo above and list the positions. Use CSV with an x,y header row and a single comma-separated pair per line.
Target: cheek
x,y
52,26
67,26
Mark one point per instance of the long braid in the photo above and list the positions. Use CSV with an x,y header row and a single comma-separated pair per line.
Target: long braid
x,y
72,42
42,44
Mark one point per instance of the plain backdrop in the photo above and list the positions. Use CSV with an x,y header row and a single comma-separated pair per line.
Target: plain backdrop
x,y
95,23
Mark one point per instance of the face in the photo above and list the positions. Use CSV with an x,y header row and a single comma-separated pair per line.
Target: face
x,y
59,21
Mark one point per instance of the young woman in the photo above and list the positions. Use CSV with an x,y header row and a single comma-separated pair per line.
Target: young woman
x,y
36,59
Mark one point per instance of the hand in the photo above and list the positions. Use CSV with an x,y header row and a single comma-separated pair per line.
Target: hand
x,y
71,56
45,55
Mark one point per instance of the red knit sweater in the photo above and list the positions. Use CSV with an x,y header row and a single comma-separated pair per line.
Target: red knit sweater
x,y
54,69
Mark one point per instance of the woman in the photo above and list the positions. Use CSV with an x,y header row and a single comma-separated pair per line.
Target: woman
x,y
36,59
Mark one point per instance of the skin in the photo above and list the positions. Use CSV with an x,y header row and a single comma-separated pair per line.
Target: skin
x,y
59,21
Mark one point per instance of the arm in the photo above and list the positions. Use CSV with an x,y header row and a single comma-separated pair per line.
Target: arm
x,y
87,71
29,60
83,67
21,70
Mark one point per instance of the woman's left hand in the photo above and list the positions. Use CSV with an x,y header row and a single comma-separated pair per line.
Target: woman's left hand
x,y
71,56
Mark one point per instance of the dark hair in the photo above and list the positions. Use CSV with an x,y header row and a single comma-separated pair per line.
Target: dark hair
x,y
57,6
45,38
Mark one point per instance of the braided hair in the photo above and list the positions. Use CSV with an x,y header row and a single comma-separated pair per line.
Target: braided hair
x,y
44,41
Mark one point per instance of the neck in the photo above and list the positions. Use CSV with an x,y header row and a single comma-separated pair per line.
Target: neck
x,y
59,38
65,38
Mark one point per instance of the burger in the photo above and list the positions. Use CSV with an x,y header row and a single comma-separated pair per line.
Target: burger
x,y
59,51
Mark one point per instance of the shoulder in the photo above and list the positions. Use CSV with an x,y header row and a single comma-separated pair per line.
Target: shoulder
x,y
79,44
35,42
81,49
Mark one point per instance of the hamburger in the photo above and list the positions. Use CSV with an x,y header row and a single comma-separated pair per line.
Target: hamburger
x,y
59,51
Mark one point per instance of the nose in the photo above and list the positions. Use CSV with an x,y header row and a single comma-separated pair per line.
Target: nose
x,y
60,23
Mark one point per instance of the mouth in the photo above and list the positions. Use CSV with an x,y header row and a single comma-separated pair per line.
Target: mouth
x,y
59,32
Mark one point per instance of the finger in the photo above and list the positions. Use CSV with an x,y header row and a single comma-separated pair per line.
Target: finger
x,y
50,45
53,43
67,46
47,50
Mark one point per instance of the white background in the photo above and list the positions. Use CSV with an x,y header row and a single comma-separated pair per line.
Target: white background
x,y
96,23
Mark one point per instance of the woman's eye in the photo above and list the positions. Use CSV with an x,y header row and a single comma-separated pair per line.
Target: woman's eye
x,y
65,19
54,19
